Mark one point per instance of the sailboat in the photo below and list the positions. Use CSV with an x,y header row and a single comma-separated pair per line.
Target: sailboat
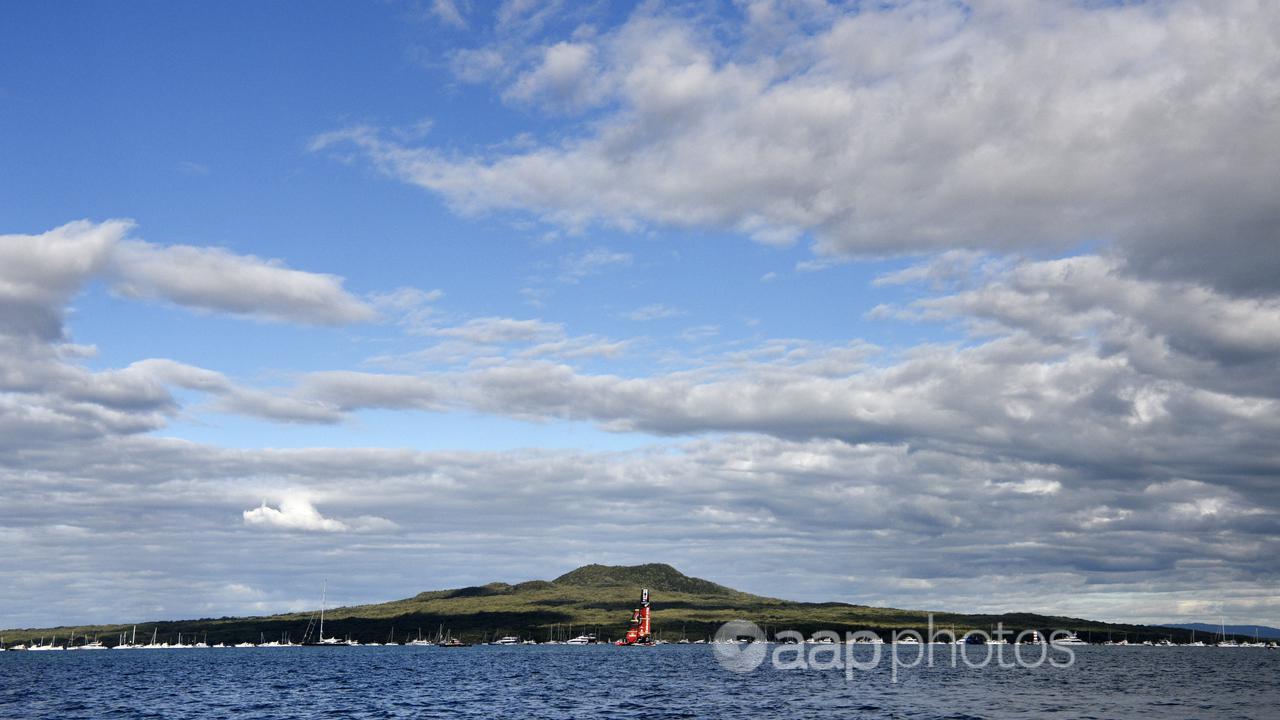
x,y
131,645
324,591
45,648
95,645
153,645
1257,640
1225,642
419,641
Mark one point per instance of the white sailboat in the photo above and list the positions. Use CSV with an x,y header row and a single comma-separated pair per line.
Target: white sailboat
x,y
95,645
46,648
153,645
324,590
132,644
1225,642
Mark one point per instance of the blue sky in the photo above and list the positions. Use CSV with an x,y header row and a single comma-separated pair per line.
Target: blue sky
x,y
448,284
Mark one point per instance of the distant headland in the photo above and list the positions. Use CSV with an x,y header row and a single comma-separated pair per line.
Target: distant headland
x,y
595,599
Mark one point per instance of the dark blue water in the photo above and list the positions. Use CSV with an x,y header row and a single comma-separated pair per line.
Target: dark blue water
x,y
673,681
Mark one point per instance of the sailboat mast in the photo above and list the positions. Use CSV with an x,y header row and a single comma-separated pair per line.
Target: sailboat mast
x,y
323,590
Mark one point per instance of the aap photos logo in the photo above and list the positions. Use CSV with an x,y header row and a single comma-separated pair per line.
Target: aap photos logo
x,y
739,646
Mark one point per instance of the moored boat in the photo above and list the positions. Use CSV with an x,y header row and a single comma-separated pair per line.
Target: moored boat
x,y
1069,639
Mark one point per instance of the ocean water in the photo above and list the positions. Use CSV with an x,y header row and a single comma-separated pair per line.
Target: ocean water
x,y
672,681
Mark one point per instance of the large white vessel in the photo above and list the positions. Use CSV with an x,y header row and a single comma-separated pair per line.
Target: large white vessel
x,y
1069,639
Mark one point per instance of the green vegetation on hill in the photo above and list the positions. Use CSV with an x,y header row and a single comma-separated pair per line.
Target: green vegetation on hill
x,y
593,598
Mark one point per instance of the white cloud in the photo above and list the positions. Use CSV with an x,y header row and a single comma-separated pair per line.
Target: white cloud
x,y
655,311
40,273
297,513
500,330
795,507
448,12
563,80
215,279
913,127
575,267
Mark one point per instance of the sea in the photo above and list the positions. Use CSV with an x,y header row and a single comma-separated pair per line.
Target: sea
x,y
601,681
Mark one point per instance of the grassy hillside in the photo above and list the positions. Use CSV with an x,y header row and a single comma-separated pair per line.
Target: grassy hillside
x,y
593,598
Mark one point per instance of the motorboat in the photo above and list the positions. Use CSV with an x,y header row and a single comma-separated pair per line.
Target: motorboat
x,y
1069,639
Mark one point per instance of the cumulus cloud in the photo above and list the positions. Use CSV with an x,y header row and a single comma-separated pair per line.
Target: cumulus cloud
x,y
215,279
913,127
297,513
1069,362
294,513
40,273
562,80
48,397
1174,330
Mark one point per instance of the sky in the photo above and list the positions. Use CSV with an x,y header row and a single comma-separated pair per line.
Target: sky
x,y
937,305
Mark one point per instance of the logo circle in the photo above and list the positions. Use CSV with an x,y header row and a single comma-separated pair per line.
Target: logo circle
x,y
739,646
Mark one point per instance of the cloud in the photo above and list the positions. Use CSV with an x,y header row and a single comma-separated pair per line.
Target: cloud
x,y
500,330
40,273
562,80
1069,362
49,397
1173,330
798,506
189,167
655,311
447,12
297,513
910,128
406,298
575,267
294,513
217,280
